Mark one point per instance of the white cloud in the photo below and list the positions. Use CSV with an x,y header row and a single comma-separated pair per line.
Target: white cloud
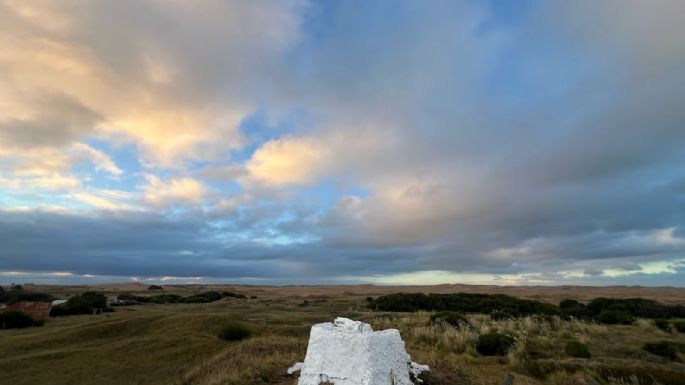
x,y
289,161
101,161
174,191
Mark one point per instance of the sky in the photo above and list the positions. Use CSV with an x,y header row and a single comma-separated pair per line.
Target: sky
x,y
341,142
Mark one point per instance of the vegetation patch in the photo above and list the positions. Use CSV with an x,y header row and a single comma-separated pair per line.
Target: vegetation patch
x,y
609,311
663,324
667,349
494,344
636,307
613,317
13,296
234,295
234,331
679,326
453,318
461,302
81,304
16,320
206,297
577,349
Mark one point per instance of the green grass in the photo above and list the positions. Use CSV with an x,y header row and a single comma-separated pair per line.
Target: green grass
x,y
178,344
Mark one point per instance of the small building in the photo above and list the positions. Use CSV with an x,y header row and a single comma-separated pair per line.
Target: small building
x,y
37,310
59,302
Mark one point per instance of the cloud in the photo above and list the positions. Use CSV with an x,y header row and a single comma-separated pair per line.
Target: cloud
x,y
177,93
391,142
288,161
175,191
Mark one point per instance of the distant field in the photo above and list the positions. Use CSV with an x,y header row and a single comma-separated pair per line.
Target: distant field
x,y
177,343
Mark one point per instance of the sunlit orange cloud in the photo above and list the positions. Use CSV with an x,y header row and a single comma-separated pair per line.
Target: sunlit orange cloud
x,y
139,101
161,193
289,161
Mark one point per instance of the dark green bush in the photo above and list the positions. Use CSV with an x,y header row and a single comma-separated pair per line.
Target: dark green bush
x,y
304,303
498,315
679,326
233,295
636,307
453,318
613,317
234,331
155,287
667,349
492,344
461,302
207,297
663,325
570,303
196,299
11,297
572,308
162,298
15,320
128,297
504,306
81,304
577,349
38,323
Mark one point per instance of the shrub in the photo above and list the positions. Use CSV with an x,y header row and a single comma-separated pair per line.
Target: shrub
x,y
233,295
667,349
453,318
304,303
211,296
570,303
11,297
663,325
207,297
636,307
15,320
196,299
492,344
234,331
253,297
679,326
162,298
613,317
81,304
620,310
38,323
498,315
577,349
573,308
155,287
461,302
128,297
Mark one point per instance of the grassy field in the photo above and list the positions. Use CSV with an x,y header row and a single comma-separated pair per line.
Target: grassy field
x,y
177,343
